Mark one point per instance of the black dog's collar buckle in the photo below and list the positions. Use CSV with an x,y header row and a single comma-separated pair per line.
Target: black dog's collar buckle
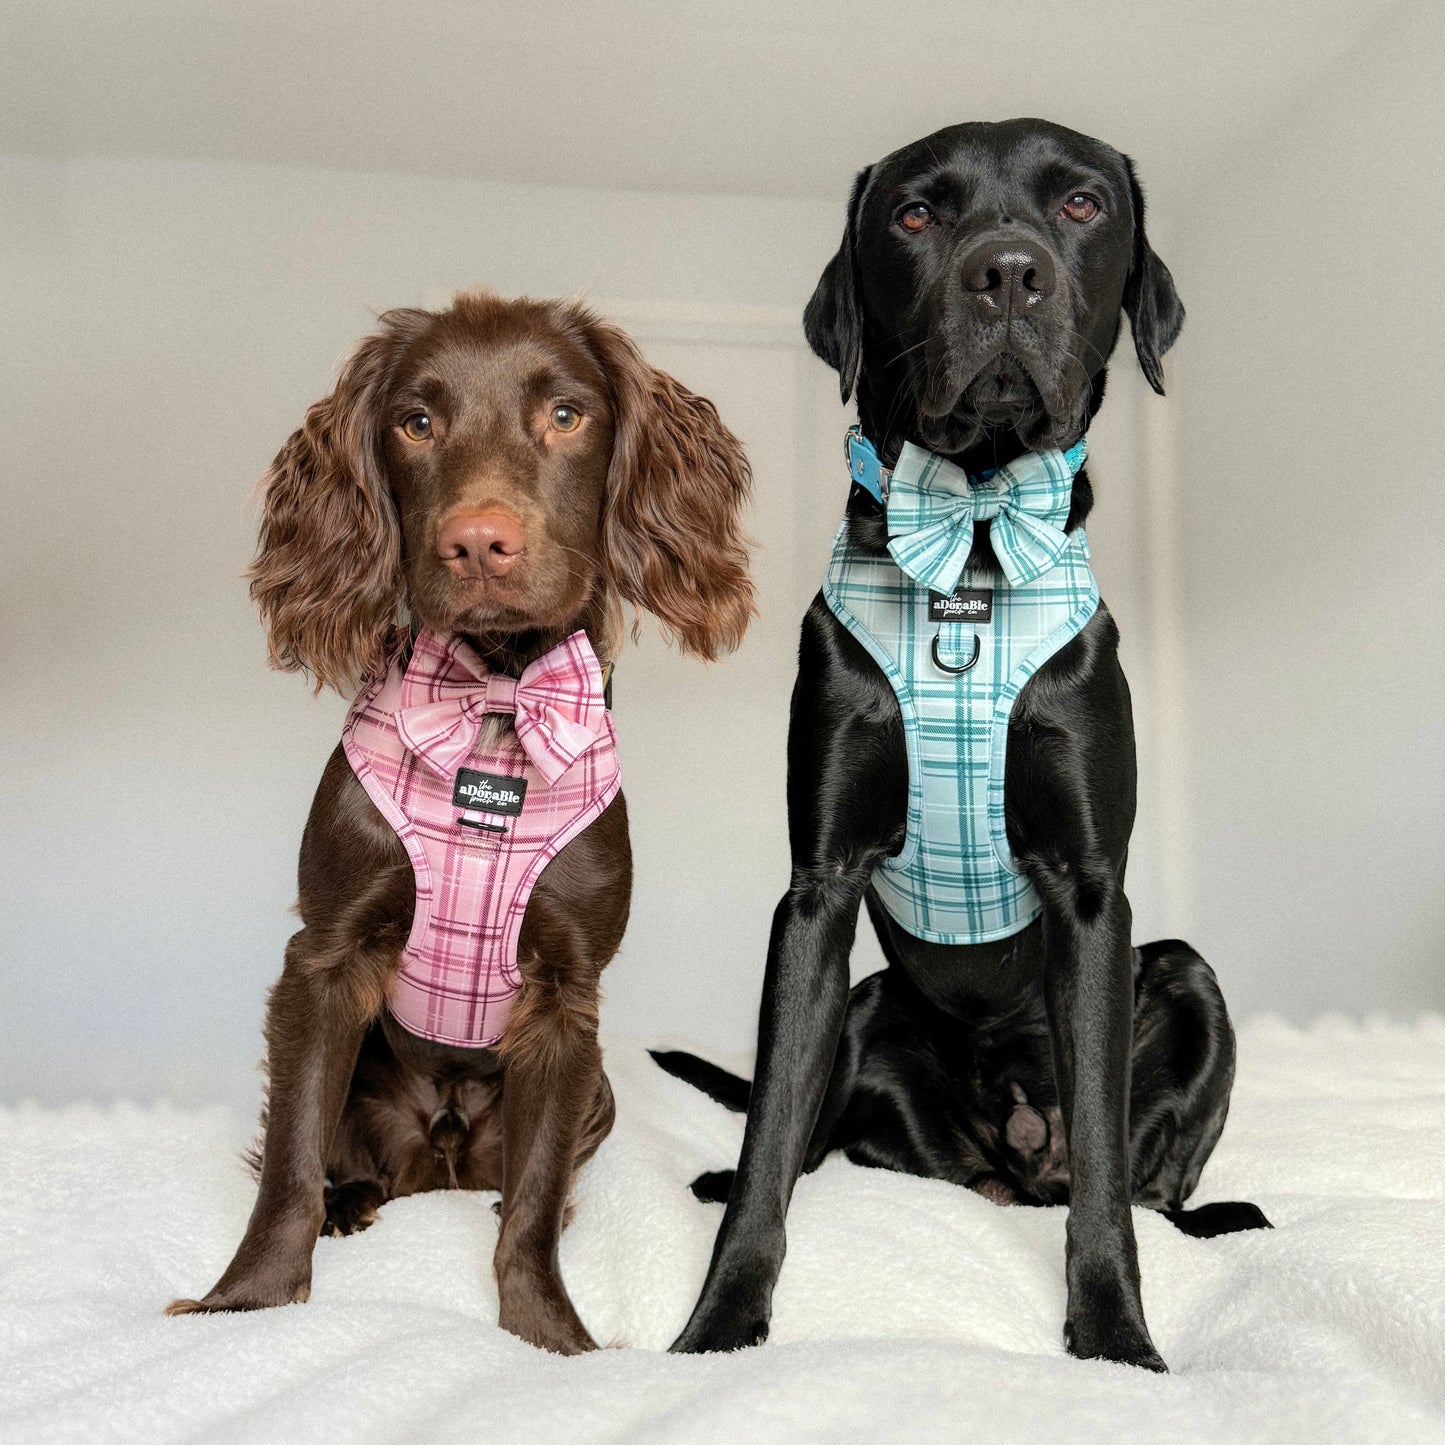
x,y
864,467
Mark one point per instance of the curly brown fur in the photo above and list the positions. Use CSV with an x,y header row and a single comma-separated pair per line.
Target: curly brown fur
x,y
326,496
672,525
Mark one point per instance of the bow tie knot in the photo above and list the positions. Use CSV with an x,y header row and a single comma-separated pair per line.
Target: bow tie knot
x,y
933,506
501,694
985,500
558,704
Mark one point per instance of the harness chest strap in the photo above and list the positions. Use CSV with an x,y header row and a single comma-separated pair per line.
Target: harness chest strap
x,y
957,646
481,811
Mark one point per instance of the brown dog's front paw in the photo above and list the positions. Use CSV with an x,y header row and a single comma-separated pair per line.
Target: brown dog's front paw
x,y
540,1313
534,1302
244,1296
556,1330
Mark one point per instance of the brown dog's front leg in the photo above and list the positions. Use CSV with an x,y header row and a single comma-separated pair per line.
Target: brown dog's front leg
x,y
551,1093
313,1038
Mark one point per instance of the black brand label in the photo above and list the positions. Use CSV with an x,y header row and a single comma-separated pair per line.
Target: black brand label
x,y
489,792
966,604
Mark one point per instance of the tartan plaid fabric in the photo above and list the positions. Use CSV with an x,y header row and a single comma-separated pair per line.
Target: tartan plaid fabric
x,y
954,879
407,737
933,504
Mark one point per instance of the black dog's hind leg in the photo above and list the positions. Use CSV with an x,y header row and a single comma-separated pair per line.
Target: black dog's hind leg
x,y
1181,1077
845,806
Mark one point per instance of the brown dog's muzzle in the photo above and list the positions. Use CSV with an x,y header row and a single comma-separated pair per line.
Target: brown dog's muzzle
x,y
478,545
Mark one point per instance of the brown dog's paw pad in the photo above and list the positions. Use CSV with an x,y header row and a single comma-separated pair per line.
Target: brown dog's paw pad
x,y
350,1208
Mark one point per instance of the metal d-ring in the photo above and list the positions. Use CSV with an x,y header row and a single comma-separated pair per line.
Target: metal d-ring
x,y
943,666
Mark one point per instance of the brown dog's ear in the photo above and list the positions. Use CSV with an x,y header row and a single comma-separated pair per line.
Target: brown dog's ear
x,y
833,317
672,534
1155,312
327,574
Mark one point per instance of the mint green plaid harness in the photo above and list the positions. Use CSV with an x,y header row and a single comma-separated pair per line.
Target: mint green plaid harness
x,y
922,614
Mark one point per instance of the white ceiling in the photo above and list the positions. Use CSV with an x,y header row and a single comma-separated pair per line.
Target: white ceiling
x,y
734,96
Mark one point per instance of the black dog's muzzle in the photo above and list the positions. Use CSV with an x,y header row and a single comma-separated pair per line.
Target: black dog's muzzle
x,y
999,348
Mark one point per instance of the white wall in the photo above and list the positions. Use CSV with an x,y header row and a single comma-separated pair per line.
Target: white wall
x,y
165,326
165,323
1313,375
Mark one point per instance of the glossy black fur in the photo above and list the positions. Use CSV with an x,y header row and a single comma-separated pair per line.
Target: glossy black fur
x,y
1062,1064
973,1099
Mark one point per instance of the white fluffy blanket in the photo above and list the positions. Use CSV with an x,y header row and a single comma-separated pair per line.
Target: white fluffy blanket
x,y
907,1309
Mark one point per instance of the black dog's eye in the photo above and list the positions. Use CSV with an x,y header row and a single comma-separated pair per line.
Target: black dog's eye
x,y
565,418
914,219
417,427
1081,207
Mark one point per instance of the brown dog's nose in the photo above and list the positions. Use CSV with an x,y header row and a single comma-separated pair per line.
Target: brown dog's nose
x,y
1011,275
481,544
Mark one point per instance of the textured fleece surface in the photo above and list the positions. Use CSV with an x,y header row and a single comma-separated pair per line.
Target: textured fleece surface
x,y
907,1310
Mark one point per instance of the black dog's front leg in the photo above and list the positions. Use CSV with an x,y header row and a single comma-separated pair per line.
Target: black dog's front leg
x,y
1070,792
847,785
1089,993
805,993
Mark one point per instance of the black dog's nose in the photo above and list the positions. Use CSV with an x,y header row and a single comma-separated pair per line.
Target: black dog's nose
x,y
1009,275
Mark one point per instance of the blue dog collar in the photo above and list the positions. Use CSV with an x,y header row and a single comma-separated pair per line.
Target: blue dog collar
x,y
864,466
869,473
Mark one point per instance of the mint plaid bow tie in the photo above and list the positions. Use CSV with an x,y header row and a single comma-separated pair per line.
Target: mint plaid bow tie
x,y
933,505
558,704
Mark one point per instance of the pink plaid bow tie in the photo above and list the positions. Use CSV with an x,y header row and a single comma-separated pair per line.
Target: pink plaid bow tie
x,y
558,703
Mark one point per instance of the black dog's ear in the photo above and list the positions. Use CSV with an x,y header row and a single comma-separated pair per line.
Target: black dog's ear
x,y
1150,301
833,318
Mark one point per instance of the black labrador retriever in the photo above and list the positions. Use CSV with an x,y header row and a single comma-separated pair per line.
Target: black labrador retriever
x,y
973,305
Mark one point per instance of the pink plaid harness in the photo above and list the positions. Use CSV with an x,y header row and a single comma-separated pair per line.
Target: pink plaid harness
x,y
480,820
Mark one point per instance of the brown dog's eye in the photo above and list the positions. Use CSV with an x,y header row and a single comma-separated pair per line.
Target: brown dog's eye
x,y
915,219
417,427
1081,207
565,418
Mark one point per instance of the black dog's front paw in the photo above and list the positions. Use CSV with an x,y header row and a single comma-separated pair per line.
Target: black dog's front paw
x,y
713,1188
1117,1342
710,1335
1108,1324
